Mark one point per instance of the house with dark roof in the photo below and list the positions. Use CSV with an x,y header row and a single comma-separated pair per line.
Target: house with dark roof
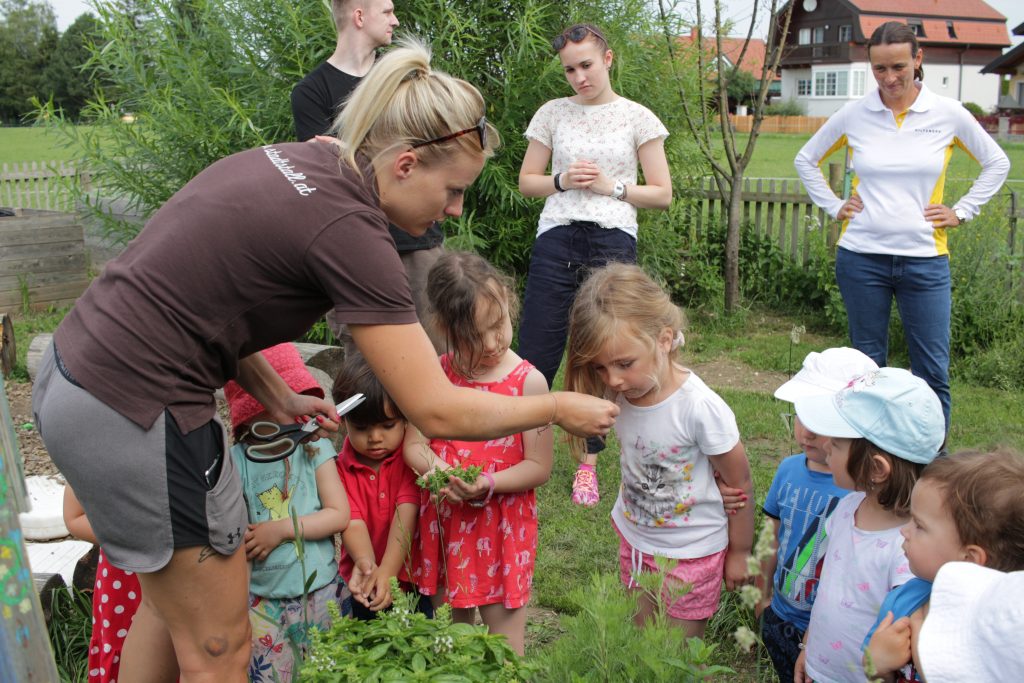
x,y
825,61
1010,64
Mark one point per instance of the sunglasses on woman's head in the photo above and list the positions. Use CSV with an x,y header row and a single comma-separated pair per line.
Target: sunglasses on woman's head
x,y
480,128
576,35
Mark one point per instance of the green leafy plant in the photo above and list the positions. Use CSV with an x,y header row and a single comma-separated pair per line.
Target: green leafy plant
x,y
437,479
70,628
402,644
602,634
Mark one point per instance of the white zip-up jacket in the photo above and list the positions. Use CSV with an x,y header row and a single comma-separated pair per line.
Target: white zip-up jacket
x,y
900,164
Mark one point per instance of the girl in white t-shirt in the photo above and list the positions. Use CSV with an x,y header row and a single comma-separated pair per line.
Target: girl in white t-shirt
x,y
594,142
674,433
884,428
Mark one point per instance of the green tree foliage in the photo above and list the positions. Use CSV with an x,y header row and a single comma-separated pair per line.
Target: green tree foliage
x,y
65,79
28,39
742,88
206,79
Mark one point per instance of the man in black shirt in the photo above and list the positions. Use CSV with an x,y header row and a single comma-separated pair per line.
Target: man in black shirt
x,y
363,26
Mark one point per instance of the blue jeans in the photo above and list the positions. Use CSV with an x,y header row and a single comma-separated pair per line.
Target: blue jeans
x,y
561,259
782,640
921,285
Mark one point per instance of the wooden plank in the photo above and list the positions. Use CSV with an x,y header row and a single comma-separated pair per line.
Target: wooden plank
x,y
67,232
758,206
771,210
21,252
44,264
746,204
39,279
783,215
794,232
42,297
25,653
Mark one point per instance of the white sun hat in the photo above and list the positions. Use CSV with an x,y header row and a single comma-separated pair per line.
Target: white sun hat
x,y
825,373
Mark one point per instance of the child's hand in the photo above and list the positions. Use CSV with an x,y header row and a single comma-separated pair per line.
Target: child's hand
x,y
359,583
262,538
736,569
800,669
379,594
459,491
889,646
732,499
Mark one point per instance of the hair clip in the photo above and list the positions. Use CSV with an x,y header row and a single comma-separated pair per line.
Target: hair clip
x,y
679,341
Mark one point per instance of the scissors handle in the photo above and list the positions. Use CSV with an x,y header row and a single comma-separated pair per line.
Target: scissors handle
x,y
278,441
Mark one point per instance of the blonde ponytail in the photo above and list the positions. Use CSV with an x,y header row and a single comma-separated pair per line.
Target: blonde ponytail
x,y
402,101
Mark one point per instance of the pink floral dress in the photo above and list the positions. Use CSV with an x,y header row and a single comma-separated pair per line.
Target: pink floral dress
x,y
483,555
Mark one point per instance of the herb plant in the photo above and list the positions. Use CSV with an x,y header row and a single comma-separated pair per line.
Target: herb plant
x,y
438,479
402,644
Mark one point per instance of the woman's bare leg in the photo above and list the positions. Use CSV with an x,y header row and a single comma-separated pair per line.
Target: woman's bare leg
x,y
148,653
202,599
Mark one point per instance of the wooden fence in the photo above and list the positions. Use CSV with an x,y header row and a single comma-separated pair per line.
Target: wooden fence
x,y
779,209
38,185
806,125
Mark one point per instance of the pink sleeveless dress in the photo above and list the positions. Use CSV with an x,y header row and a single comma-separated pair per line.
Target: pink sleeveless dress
x,y
483,555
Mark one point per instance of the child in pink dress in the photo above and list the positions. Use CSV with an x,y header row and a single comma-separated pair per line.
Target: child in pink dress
x,y
478,540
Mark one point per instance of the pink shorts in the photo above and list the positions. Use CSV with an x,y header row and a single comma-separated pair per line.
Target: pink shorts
x,y
703,575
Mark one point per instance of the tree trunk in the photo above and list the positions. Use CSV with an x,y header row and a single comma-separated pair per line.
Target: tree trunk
x,y
732,245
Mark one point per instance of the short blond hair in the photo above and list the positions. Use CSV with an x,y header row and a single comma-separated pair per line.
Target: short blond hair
x,y
402,101
340,11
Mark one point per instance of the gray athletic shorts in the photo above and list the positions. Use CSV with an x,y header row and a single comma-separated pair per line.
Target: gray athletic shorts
x,y
145,492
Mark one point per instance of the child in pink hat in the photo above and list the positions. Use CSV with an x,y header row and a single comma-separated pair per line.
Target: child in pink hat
x,y
305,484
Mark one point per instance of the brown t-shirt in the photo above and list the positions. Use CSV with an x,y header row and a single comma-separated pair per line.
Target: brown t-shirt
x,y
250,253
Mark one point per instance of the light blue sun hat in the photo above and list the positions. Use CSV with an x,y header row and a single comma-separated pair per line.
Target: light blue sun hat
x,y
893,409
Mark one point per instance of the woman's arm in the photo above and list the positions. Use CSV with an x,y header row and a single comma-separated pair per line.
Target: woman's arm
x,y
533,471
995,166
829,138
656,192
735,471
534,180
258,377
402,357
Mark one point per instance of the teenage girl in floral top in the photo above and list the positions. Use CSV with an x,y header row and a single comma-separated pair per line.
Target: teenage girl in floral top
x,y
594,142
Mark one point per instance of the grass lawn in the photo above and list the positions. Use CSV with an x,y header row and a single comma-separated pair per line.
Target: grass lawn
x,y
33,144
756,351
774,154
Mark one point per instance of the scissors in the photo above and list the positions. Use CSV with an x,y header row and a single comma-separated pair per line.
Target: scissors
x,y
278,441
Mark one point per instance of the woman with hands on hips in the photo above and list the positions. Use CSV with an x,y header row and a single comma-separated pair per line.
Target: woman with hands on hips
x,y
894,239
594,142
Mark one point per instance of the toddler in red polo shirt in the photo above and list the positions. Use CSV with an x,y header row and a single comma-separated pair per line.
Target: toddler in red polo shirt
x,y
382,493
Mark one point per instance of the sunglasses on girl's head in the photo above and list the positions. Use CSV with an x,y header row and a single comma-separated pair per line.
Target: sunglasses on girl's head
x,y
480,128
576,35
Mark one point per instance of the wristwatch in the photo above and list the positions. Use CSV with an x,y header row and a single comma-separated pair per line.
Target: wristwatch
x,y
619,191
961,215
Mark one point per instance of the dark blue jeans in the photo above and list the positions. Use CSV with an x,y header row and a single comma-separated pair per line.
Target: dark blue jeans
x,y
782,640
921,286
562,258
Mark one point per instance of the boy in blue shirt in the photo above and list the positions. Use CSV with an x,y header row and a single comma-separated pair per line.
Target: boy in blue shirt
x,y
801,497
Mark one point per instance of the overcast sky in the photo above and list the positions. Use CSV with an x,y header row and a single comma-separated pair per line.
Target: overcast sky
x,y
737,10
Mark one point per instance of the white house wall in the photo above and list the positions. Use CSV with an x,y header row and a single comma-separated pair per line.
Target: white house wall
x,y
944,79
